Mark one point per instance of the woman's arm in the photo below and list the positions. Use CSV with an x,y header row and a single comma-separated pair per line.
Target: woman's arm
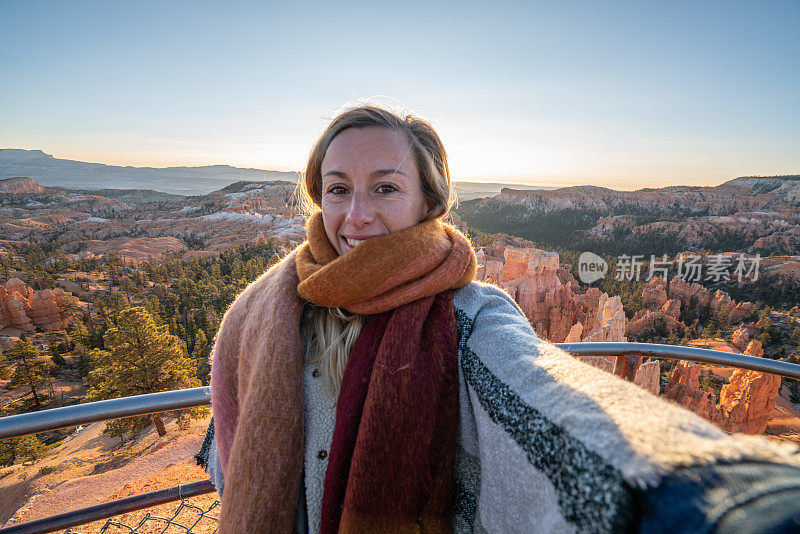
x,y
564,445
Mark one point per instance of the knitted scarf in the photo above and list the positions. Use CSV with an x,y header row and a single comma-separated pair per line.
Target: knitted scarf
x,y
391,461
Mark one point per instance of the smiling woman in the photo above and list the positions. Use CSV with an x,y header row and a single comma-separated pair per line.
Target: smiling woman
x,y
366,383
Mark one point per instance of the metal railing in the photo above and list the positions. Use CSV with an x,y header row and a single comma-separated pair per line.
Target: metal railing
x,y
30,423
692,354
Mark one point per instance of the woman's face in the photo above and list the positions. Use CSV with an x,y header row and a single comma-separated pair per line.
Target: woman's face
x,y
370,186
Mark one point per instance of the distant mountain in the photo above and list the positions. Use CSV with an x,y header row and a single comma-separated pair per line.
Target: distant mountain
x,y
70,174
473,190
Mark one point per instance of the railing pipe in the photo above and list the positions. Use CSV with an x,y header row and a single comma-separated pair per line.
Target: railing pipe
x,y
675,352
110,509
92,412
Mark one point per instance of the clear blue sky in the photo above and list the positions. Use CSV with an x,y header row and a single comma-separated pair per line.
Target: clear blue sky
x,y
623,94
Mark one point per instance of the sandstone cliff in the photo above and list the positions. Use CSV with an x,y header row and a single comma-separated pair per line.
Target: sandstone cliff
x,y
23,310
745,404
549,297
20,185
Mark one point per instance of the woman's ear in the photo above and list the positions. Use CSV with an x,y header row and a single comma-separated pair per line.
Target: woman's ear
x,y
428,210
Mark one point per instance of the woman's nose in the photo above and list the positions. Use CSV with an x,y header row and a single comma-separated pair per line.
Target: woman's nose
x,y
361,211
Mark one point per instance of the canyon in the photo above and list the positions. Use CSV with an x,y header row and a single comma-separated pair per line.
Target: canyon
x,y
748,214
560,311
138,225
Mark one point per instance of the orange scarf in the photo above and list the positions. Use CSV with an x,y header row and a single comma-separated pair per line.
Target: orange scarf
x,y
386,271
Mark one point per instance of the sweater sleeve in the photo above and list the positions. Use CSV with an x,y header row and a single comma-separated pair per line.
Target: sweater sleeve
x,y
564,446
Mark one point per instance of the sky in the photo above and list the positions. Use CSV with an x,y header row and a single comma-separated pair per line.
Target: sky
x,y
617,94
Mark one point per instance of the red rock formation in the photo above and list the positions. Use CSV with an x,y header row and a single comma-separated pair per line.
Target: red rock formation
x,y
748,400
689,293
657,307
44,309
646,320
741,337
654,293
684,388
664,302
494,270
745,403
21,185
740,311
12,306
648,377
627,365
574,335
609,320
549,298
23,309
672,308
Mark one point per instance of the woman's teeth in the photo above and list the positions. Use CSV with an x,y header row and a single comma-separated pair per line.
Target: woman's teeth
x,y
354,242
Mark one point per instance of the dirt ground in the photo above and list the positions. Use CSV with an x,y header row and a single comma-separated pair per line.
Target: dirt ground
x,y
89,468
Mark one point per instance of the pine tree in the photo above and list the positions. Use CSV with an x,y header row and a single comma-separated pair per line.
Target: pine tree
x,y
140,357
31,368
71,306
30,448
200,356
673,339
56,346
5,372
25,447
78,333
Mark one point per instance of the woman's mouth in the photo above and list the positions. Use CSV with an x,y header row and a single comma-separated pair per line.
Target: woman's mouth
x,y
354,242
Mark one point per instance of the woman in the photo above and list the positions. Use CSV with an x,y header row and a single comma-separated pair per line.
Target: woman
x,y
367,384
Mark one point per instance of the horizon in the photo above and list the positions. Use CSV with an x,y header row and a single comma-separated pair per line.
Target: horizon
x,y
626,96
456,180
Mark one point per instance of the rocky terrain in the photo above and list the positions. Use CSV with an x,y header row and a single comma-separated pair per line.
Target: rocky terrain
x,y
139,224
550,297
664,301
747,401
23,310
753,214
561,312
136,224
89,468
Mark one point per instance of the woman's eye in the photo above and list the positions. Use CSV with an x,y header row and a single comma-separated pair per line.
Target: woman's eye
x,y
386,188
337,190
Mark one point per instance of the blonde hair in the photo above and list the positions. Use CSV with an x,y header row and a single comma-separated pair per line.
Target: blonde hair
x,y
333,334
334,331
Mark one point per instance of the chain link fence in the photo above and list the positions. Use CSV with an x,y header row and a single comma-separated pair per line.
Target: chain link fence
x,y
186,518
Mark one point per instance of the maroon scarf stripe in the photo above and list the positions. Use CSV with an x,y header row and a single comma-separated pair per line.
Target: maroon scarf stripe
x,y
349,407
391,461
